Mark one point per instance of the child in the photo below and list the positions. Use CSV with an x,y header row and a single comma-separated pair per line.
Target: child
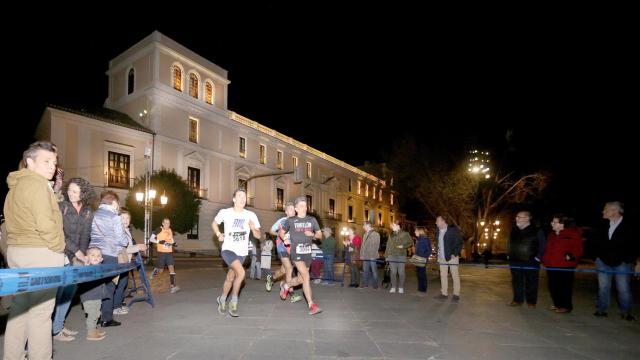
x,y
265,259
94,292
165,243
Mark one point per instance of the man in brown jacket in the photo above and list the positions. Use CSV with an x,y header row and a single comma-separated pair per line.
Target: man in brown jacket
x,y
35,238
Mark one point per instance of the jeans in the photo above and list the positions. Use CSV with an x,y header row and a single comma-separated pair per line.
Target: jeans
x,y
255,272
64,296
328,267
370,266
121,288
561,288
107,304
623,285
421,272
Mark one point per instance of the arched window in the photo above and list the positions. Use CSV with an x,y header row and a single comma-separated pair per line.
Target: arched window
x,y
193,85
208,92
177,78
130,81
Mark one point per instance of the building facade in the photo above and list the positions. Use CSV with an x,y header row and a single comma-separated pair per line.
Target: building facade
x,y
166,99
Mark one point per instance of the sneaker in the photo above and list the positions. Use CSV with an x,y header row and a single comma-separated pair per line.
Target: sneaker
x,y
69,332
392,290
456,298
317,281
314,309
629,317
222,308
154,273
600,314
283,292
174,289
562,311
269,283
61,336
296,298
95,335
233,309
120,311
400,291
531,306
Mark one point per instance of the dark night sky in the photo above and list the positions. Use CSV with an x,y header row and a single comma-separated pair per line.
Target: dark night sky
x,y
326,80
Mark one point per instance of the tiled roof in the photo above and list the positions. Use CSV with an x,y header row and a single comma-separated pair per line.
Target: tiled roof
x,y
105,115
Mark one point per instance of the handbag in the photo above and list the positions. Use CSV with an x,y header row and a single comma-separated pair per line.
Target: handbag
x,y
418,260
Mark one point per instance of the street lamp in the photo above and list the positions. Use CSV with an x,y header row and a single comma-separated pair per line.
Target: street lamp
x,y
146,199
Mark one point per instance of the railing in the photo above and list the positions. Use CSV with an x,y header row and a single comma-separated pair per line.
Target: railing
x,y
120,182
333,216
201,193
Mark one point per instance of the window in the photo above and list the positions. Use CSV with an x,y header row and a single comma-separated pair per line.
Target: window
x,y
279,199
263,154
177,77
309,203
193,179
242,184
119,165
130,81
391,198
374,192
243,147
380,195
193,130
380,218
294,162
350,213
193,233
308,170
366,190
391,219
279,159
359,186
208,92
332,207
366,214
350,184
391,182
193,85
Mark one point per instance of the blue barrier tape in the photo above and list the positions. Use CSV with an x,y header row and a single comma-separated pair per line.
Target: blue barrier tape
x,y
21,280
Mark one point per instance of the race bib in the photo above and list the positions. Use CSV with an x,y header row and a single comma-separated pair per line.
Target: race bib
x,y
238,236
303,249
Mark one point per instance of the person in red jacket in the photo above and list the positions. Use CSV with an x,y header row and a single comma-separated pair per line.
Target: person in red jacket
x,y
563,250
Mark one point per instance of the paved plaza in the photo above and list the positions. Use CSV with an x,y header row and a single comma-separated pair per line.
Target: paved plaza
x,y
358,323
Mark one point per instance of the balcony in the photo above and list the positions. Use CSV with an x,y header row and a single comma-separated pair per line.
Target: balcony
x,y
201,193
333,216
120,182
278,207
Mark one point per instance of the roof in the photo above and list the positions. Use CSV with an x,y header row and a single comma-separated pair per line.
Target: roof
x,y
105,115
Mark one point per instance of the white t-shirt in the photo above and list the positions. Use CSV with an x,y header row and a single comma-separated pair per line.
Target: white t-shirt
x,y
236,229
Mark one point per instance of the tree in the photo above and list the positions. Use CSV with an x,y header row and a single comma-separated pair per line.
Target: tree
x,y
442,184
182,208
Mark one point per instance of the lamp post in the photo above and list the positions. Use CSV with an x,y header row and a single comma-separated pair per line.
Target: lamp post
x,y
478,167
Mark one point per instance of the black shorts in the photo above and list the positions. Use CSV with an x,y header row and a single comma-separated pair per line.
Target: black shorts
x,y
305,256
165,259
229,257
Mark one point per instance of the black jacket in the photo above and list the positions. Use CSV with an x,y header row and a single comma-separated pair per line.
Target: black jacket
x,y
622,247
526,244
452,241
77,228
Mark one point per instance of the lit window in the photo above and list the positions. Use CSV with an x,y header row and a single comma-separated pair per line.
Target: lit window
x,y
193,85
243,147
119,167
193,130
308,170
263,154
177,78
279,159
208,92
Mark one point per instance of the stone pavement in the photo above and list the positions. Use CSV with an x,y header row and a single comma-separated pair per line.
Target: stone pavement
x,y
358,324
